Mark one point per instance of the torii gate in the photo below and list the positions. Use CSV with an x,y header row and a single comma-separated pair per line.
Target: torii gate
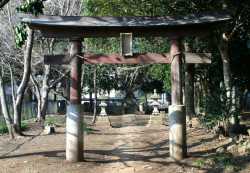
x,y
76,28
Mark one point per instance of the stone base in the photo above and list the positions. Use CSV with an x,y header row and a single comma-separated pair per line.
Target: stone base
x,y
164,117
102,121
156,120
48,130
177,132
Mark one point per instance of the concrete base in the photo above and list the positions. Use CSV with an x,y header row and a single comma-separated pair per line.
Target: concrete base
x,y
103,111
48,130
177,132
156,120
74,134
155,111
102,121
163,115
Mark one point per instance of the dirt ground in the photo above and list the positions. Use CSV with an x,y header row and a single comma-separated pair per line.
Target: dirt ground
x,y
131,146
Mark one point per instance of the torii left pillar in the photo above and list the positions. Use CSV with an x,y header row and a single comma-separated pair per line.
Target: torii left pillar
x,y
74,129
177,114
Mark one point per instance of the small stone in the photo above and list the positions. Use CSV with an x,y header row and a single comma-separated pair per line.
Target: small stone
x,y
232,147
147,167
242,149
248,131
220,150
127,170
230,140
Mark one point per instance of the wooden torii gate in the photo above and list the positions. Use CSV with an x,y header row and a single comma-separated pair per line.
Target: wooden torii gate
x,y
76,28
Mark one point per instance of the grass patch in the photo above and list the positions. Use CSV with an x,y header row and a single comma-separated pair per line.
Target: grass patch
x,y
226,161
199,163
223,161
55,120
50,120
87,129
24,125
4,128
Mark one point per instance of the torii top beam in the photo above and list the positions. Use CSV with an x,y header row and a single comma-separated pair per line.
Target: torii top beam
x,y
81,26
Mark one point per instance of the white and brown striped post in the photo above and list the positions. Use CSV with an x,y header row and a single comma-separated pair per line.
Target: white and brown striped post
x,y
74,129
177,118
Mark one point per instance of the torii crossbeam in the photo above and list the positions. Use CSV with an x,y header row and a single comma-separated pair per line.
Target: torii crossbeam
x,y
76,28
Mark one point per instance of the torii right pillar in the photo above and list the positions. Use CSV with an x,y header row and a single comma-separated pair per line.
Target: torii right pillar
x,y
177,114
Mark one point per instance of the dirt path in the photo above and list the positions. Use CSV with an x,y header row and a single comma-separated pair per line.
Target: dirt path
x,y
132,148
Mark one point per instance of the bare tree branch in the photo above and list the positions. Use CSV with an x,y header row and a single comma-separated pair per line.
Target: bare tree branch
x,y
3,3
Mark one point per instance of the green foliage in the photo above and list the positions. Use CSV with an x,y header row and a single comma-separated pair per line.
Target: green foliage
x,y
199,163
226,161
213,102
210,120
140,45
28,6
4,128
105,77
31,6
20,35
50,121
162,73
24,125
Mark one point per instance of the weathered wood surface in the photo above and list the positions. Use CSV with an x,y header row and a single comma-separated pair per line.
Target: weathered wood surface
x,y
147,58
198,58
74,129
177,114
176,72
82,26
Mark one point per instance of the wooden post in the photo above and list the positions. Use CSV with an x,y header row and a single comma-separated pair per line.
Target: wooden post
x,y
189,92
177,118
74,130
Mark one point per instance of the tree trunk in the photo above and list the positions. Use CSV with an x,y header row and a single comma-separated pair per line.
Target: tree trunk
x,y
223,48
5,110
189,91
235,106
95,95
45,92
224,52
197,98
22,87
38,97
90,101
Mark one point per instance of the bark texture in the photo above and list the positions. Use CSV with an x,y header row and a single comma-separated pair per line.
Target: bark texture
x,y
224,52
23,85
189,91
95,96
45,92
38,97
3,3
176,72
5,110
177,116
